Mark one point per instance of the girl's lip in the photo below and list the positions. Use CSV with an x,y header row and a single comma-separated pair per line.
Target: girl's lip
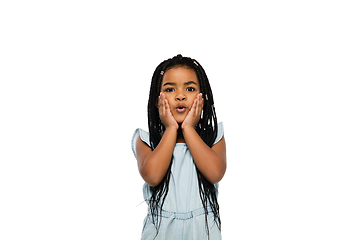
x,y
181,109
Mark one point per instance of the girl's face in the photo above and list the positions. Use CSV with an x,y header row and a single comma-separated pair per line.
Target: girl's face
x,y
180,86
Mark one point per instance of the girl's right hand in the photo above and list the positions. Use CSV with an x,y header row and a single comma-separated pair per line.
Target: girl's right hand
x,y
166,117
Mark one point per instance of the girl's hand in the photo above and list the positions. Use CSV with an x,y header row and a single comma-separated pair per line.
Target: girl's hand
x,y
194,114
165,115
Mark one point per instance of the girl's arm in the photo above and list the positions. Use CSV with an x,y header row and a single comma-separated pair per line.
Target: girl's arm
x,y
211,162
154,164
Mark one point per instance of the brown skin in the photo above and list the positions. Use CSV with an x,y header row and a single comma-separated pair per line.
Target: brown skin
x,y
180,87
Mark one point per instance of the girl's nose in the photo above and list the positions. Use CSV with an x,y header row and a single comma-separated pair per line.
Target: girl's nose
x,y
180,97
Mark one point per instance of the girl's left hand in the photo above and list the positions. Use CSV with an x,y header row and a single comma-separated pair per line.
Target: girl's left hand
x,y
194,114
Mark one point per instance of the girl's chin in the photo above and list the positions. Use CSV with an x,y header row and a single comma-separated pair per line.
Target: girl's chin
x,y
179,121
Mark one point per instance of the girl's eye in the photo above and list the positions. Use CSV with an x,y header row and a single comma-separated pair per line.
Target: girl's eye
x,y
169,90
190,89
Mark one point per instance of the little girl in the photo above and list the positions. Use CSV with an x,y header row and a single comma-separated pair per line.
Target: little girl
x,y
183,156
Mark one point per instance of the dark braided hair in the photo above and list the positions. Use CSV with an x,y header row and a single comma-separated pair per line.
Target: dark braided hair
x,y
206,128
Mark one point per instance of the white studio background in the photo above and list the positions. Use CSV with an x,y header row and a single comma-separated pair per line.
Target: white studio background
x,y
75,77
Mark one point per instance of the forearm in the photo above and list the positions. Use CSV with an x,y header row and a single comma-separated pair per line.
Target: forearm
x,y
211,164
155,165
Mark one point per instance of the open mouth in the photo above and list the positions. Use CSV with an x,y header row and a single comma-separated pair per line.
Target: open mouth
x,y
181,109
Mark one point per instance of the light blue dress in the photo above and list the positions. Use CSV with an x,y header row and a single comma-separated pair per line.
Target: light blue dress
x,y
183,213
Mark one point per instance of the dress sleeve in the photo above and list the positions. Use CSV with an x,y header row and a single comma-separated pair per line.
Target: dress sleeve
x,y
219,136
144,136
220,133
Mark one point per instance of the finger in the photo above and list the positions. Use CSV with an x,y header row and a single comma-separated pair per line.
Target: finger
x,y
198,105
167,106
164,100
161,104
164,104
194,107
201,104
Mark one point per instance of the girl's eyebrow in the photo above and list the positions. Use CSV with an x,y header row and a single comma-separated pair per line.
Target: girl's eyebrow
x,y
190,82
169,83
173,84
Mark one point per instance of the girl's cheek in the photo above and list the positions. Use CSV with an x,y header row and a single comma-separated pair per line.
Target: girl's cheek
x,y
167,95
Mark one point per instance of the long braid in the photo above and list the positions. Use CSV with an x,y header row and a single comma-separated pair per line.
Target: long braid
x,y
160,191
206,128
206,189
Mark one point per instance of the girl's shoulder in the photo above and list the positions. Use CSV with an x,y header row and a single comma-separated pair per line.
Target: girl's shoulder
x,y
144,136
220,132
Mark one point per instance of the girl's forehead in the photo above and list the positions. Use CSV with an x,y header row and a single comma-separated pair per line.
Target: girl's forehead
x,y
180,74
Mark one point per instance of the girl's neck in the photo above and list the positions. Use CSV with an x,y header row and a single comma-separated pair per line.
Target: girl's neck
x,y
180,136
